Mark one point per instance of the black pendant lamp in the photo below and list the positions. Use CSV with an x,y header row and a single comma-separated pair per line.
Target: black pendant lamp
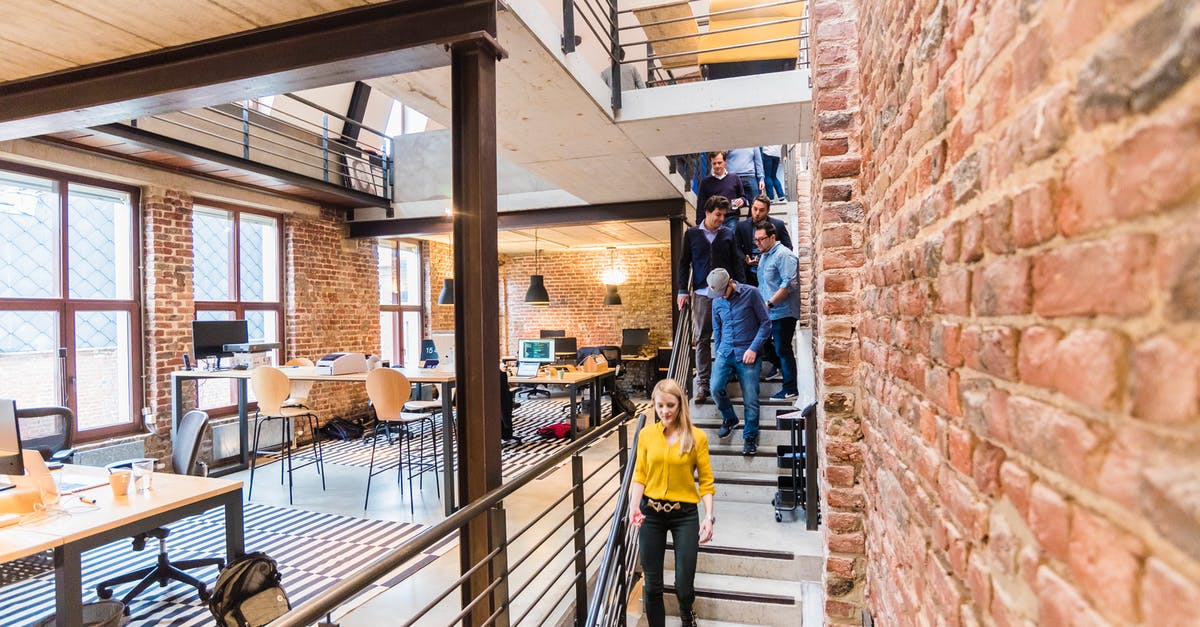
x,y
611,297
537,295
447,295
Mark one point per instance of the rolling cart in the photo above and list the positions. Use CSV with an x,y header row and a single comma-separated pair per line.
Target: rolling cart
x,y
790,492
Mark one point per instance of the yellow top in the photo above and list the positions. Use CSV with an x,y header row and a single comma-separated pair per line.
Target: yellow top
x,y
668,474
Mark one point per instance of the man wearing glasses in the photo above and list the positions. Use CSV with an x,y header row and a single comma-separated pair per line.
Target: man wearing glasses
x,y
740,328
777,285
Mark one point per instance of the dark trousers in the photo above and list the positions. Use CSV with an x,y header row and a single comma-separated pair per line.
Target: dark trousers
x,y
784,332
702,323
684,525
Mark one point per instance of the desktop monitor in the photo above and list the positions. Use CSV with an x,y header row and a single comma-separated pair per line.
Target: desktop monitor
x,y
548,333
429,350
209,337
444,344
540,351
635,337
564,345
10,439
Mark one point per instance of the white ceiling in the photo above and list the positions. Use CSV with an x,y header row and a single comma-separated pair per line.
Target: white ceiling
x,y
581,237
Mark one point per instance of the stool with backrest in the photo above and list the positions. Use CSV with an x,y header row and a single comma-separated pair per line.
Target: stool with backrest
x,y
298,391
271,389
389,390
49,431
183,462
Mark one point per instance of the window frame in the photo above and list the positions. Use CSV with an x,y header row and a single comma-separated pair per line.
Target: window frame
x,y
66,307
395,308
238,306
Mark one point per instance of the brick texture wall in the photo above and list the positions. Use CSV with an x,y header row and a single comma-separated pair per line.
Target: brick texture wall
x,y
1027,222
803,243
332,303
439,265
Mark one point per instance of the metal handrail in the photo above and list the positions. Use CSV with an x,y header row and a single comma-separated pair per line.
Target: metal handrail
x,y
343,591
613,549
690,53
694,17
731,29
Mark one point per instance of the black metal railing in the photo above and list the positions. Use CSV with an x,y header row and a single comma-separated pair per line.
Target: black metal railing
x,y
533,580
297,137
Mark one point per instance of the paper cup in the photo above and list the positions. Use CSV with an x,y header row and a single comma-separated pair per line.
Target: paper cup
x,y
118,480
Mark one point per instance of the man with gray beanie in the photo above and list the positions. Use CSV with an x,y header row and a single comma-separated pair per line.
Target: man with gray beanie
x,y
740,328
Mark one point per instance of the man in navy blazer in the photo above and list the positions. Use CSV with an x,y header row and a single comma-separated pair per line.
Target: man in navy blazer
x,y
706,246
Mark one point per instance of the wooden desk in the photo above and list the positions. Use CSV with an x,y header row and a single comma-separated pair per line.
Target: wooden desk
x,y
171,498
445,379
573,381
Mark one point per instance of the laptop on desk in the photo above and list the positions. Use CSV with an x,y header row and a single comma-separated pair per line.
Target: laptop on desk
x,y
527,368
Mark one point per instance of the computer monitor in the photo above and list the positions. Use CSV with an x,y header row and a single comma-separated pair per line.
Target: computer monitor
x,y
428,350
10,439
564,345
444,343
547,333
540,351
209,337
635,337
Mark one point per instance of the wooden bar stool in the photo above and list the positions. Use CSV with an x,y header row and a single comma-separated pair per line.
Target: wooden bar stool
x,y
389,390
271,389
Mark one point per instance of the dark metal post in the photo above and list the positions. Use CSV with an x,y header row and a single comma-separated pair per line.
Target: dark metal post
x,y
245,130
614,51
325,148
812,500
476,292
678,226
568,38
500,598
581,592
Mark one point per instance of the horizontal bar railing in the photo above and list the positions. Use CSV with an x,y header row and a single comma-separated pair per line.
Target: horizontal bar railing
x,y
496,561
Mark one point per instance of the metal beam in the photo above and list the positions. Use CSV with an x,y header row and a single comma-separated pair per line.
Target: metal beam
x,y
637,211
356,111
145,138
354,44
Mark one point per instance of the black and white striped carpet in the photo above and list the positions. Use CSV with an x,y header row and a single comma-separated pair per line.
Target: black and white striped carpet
x,y
527,419
314,550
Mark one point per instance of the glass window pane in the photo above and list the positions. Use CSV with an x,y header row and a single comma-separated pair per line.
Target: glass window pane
x,y
410,274
212,249
29,227
264,327
259,250
412,336
387,275
102,369
29,363
387,337
99,251
209,392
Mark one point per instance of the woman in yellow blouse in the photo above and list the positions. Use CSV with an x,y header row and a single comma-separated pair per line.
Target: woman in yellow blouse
x,y
663,497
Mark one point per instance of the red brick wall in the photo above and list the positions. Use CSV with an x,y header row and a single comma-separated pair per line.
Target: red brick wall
x,y
577,296
1028,395
332,302
439,266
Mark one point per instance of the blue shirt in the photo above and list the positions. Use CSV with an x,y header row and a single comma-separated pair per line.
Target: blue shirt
x,y
740,322
776,269
745,161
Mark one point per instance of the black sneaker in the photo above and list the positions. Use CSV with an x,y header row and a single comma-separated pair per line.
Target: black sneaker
x,y
687,618
750,447
726,429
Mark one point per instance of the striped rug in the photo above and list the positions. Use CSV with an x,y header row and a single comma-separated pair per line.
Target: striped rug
x,y
314,550
527,419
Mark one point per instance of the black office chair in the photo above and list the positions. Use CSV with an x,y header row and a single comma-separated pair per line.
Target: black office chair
x,y
183,462
49,431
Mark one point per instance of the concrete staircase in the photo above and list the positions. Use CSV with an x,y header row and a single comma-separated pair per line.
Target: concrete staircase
x,y
756,571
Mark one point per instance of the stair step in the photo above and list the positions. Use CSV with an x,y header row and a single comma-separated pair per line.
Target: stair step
x,y
744,562
733,598
752,487
728,457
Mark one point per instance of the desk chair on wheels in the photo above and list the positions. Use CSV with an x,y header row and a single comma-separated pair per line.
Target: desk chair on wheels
x,y
272,389
55,429
389,390
183,462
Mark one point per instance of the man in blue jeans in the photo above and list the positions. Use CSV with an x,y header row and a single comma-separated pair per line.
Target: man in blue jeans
x,y
740,327
776,280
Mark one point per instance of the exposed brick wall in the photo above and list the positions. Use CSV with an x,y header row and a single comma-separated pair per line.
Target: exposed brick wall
x,y
1029,389
837,216
439,265
577,296
803,240
332,302
169,310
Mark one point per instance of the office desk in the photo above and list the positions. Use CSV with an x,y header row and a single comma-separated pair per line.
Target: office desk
x,y
573,381
171,498
443,378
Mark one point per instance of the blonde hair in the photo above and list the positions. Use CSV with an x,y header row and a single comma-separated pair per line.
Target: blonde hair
x,y
687,441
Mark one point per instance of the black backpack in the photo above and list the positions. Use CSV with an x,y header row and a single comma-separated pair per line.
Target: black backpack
x,y
342,429
247,593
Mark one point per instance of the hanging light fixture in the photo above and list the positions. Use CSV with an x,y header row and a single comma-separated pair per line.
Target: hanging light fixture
x,y
612,278
537,295
447,295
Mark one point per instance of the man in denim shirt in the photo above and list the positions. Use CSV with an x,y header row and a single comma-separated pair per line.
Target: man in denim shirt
x,y
740,327
776,276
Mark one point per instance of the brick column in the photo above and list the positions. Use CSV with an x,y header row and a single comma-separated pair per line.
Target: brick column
x,y
837,223
168,296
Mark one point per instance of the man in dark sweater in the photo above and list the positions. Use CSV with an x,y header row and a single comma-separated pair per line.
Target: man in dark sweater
x,y
705,246
722,183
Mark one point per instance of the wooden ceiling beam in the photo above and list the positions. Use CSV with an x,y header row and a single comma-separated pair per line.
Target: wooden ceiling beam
x,y
354,44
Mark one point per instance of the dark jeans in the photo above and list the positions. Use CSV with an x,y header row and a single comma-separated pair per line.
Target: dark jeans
x,y
684,525
771,176
784,331
702,323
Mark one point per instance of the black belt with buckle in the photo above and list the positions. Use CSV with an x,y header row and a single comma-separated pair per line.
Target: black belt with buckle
x,y
663,507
